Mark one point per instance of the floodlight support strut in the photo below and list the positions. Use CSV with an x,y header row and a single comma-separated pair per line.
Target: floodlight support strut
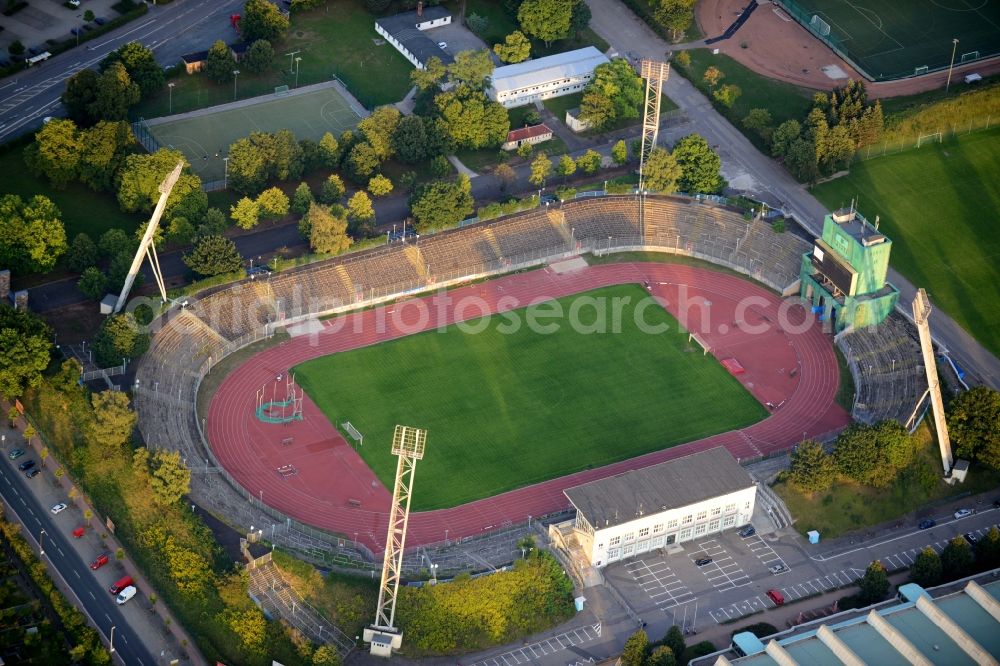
x,y
921,315
655,74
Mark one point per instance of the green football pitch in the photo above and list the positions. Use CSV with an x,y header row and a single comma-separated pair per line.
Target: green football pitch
x,y
508,409
891,38
938,203
205,136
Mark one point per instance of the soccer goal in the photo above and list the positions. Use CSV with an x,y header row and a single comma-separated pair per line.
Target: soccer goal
x,y
280,91
923,69
819,26
971,55
354,433
928,138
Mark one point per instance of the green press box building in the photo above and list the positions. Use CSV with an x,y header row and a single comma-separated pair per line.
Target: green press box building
x,y
844,275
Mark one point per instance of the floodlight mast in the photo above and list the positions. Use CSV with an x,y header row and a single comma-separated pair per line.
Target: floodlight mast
x,y
146,246
655,74
921,316
408,446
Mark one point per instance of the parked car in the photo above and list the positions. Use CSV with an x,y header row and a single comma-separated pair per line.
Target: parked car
x,y
15,454
777,597
32,473
747,531
777,569
442,45
259,271
74,4
79,532
100,20
26,465
99,562
125,595
58,508
927,523
120,584
971,538
702,561
962,513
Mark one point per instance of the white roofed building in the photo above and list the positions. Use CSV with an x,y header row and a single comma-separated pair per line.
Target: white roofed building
x,y
542,78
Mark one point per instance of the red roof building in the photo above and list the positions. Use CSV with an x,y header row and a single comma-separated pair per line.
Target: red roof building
x,y
533,134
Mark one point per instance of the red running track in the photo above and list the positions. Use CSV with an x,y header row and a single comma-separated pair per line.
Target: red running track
x,y
789,364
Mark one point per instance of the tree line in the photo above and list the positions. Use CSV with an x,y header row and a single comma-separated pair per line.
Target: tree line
x,y
671,650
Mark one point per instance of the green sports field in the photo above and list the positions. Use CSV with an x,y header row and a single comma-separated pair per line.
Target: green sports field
x,y
890,38
939,203
205,137
504,410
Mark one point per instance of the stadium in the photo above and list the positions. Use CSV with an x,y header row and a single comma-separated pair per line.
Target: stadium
x,y
313,366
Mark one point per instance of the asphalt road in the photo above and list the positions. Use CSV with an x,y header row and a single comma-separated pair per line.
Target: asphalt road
x,y
63,561
171,31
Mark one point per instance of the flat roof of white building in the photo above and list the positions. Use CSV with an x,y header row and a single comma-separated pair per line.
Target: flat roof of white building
x,y
668,485
550,68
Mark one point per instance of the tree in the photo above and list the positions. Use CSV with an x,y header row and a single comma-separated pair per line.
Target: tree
x,y
180,231
662,172
541,169
362,161
325,656
430,76
759,121
302,199
525,149
378,128
88,16
956,559
566,167
115,93
379,186
169,479
262,20
141,65
873,455
712,76
329,151
82,253
16,48
988,549
467,118
360,209
683,59
81,88
287,156
113,421
139,182
800,159
590,162
32,237
661,656
784,136
114,242
506,176
580,18
119,338
105,147
727,95
615,93
333,189
516,47
619,152
926,569
409,140
245,213
812,469
251,162
634,652
440,166
327,232
273,203
214,255
24,339
477,24
974,425
408,181
471,68
700,166
440,203
675,640
874,584
220,62
675,15
93,283
548,20
259,57
55,153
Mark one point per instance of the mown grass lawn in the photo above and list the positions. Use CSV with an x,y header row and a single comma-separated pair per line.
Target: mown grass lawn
x,y
507,410
502,23
938,204
848,506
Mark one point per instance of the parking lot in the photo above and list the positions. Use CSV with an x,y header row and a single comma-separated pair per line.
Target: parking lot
x,y
723,572
659,582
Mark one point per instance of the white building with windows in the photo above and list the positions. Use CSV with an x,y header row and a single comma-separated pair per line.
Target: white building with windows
x,y
406,33
676,501
542,78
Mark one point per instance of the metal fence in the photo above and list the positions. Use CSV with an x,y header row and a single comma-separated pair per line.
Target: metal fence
x,y
145,136
893,144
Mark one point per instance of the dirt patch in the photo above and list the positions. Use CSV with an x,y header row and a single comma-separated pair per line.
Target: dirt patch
x,y
779,48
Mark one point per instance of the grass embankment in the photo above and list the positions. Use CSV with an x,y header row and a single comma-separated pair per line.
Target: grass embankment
x,y
508,406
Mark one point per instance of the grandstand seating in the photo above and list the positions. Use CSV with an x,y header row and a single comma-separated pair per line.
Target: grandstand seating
x,y
887,368
235,311
596,219
527,233
458,252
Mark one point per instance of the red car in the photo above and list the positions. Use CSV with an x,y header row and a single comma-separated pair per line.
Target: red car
x,y
99,562
78,533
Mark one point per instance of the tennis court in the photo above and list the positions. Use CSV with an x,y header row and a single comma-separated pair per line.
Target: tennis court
x,y
204,138
891,39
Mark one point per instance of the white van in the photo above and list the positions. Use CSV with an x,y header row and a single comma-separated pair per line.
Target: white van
x,y
125,595
41,57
